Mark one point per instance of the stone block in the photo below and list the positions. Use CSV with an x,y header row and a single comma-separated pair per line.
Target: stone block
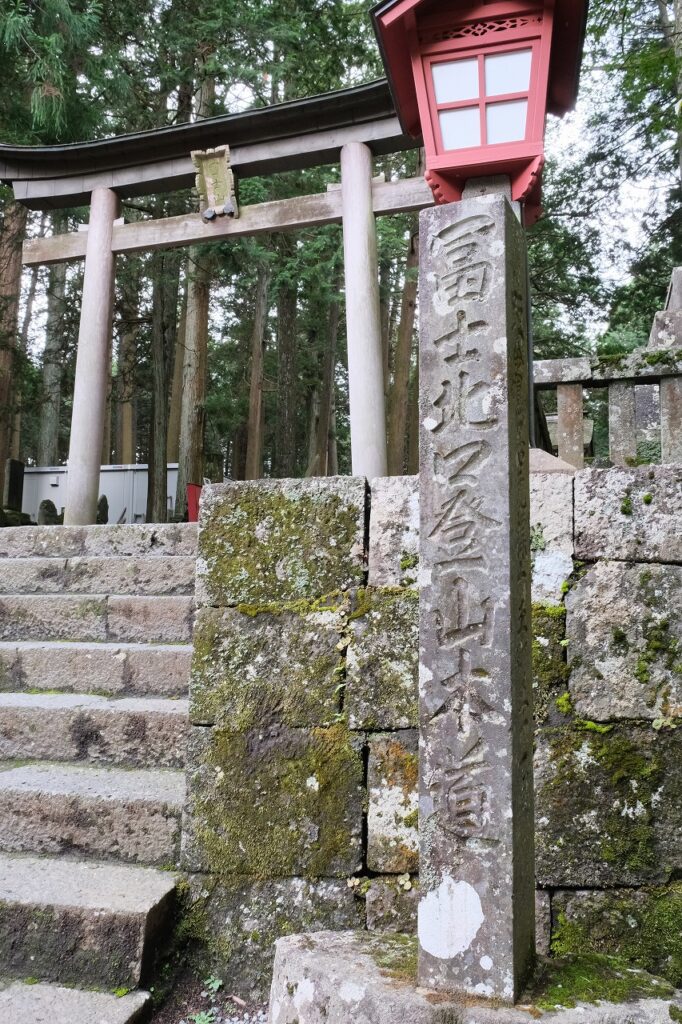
x,y
21,1003
119,575
244,920
105,541
391,907
133,732
392,836
608,806
53,617
274,802
135,669
383,660
666,332
366,978
624,626
642,926
273,541
150,619
253,670
550,669
551,534
131,815
543,922
80,923
629,514
394,531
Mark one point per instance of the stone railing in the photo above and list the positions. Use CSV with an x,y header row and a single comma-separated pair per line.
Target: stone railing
x,y
644,392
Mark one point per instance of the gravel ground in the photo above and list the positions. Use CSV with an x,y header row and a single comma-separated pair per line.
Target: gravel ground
x,y
196,1001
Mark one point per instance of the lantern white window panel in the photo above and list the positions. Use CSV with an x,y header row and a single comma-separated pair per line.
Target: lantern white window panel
x,y
460,128
508,72
506,122
456,80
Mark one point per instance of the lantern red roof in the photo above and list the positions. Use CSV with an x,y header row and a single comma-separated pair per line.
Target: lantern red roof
x,y
396,25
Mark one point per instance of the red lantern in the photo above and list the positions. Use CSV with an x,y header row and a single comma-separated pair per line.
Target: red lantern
x,y
476,80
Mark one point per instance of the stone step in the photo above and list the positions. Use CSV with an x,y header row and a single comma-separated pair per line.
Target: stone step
x,y
132,815
120,575
96,617
139,732
53,1004
159,670
81,923
101,541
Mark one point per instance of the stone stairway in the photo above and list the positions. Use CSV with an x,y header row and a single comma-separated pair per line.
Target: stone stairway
x,y
95,648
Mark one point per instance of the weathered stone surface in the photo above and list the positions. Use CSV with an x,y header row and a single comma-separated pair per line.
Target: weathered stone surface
x,y
347,976
476,913
270,541
120,575
642,926
394,531
106,541
609,806
245,919
392,837
274,802
550,670
624,626
132,815
543,922
391,907
138,732
53,617
570,426
671,419
79,923
382,660
370,979
54,1004
629,514
251,670
133,669
667,330
150,619
622,423
551,534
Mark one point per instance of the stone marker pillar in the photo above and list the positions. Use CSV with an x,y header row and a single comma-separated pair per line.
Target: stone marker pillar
x,y
92,363
671,419
570,430
363,316
476,927
622,424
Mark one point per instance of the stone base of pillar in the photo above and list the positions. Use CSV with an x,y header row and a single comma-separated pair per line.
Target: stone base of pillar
x,y
369,978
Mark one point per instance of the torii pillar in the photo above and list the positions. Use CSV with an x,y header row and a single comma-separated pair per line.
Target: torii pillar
x,y
92,363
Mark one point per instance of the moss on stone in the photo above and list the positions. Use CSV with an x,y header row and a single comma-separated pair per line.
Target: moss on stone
x,y
643,927
591,978
281,543
626,505
279,802
564,704
623,788
253,670
550,671
396,956
382,659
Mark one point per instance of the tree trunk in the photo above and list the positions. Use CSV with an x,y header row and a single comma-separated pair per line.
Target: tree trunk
x,y
413,425
52,365
175,413
385,313
287,302
332,452
314,467
193,412
127,359
398,396
254,447
164,326
327,392
11,237
15,446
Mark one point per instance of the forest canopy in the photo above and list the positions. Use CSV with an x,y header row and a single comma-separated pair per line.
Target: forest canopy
x,y
264,317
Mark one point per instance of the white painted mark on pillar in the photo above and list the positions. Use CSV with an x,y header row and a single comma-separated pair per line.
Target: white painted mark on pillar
x,y
449,919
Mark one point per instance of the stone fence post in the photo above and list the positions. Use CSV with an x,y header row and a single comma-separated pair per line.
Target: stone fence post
x,y
476,913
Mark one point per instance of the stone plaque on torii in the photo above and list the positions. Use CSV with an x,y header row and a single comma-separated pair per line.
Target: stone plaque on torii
x,y
215,183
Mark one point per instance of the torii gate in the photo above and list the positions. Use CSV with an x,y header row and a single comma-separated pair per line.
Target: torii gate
x,y
348,126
